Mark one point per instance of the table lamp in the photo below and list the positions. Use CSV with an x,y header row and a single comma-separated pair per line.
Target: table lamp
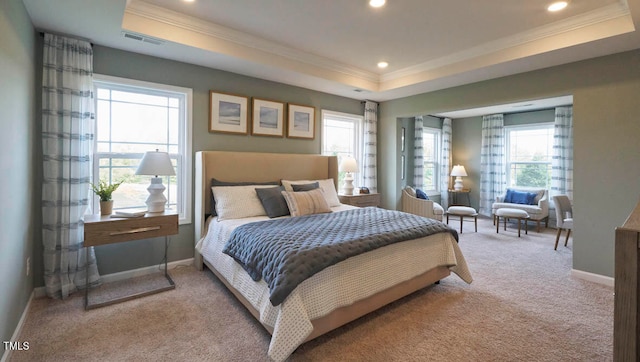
x,y
348,165
458,171
156,163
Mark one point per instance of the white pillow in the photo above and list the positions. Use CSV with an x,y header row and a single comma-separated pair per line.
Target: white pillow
x,y
327,186
237,202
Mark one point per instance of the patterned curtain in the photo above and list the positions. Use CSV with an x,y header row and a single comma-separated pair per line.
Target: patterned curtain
x,y
370,154
418,154
562,161
445,163
67,145
492,162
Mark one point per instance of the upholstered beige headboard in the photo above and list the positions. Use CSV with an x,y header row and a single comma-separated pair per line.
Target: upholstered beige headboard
x,y
251,166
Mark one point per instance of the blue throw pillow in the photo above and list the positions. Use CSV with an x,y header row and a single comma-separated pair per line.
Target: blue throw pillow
x,y
508,196
531,198
421,194
520,197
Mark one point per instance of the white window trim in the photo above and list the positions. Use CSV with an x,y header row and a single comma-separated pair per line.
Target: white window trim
x,y
359,144
523,127
438,160
185,135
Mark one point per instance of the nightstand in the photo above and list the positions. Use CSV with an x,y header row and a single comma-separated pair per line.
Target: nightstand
x,y
361,200
102,230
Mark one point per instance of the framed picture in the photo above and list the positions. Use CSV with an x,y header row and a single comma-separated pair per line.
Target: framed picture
x,y
301,121
268,118
228,113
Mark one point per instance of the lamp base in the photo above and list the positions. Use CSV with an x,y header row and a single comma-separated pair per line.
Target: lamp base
x,y
457,185
156,200
347,187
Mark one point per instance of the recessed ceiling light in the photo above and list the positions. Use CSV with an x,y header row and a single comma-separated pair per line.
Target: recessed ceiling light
x,y
377,3
383,65
557,6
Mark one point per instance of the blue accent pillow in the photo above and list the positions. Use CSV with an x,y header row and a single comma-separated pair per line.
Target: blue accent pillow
x,y
509,196
531,197
421,194
520,197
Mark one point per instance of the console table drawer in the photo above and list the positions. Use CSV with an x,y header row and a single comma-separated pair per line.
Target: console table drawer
x,y
106,230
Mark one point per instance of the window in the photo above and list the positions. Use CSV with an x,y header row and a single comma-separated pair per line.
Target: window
x,y
134,117
529,152
341,136
431,157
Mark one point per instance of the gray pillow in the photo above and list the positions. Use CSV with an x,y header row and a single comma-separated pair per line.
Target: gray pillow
x,y
305,187
273,202
215,182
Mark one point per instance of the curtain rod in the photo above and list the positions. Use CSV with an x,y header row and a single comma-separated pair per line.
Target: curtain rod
x,y
67,36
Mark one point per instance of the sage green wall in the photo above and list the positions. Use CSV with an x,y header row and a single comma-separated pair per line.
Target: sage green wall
x,y
466,135
408,123
606,149
18,214
108,61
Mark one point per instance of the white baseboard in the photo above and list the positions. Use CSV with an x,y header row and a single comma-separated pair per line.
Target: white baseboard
x,y
16,332
128,274
596,278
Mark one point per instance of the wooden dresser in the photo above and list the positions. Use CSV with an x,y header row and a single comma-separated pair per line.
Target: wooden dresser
x,y
626,319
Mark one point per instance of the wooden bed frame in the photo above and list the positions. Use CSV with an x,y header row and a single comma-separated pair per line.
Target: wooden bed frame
x,y
263,167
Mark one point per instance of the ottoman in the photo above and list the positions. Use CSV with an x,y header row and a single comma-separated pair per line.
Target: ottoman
x,y
461,212
507,213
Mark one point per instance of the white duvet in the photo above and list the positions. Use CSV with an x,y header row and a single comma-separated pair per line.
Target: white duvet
x,y
339,285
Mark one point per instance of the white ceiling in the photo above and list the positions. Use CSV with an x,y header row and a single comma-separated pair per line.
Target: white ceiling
x,y
333,46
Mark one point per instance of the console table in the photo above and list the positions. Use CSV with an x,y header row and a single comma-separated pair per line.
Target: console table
x,y
105,229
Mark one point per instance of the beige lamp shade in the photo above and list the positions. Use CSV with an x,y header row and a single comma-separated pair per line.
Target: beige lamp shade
x,y
348,164
458,170
155,163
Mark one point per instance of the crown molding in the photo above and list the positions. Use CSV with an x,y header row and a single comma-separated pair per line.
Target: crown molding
x,y
615,11
188,23
618,11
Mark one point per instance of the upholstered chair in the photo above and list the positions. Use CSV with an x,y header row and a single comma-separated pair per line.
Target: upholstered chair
x,y
564,216
425,208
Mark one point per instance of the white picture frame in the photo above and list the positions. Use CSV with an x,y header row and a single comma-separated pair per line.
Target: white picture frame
x,y
228,113
301,121
267,118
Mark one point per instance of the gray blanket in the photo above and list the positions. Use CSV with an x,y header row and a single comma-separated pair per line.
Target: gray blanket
x,y
285,252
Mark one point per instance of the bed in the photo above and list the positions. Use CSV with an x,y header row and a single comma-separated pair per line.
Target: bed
x,y
332,297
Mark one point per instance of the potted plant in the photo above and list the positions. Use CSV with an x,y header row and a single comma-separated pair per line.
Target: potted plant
x,y
104,191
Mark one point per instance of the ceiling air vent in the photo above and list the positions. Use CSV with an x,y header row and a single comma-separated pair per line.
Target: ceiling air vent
x,y
142,38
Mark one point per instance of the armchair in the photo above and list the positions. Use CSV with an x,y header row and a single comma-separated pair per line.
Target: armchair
x,y
425,208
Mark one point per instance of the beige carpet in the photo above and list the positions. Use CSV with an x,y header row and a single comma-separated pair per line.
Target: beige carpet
x,y
522,306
